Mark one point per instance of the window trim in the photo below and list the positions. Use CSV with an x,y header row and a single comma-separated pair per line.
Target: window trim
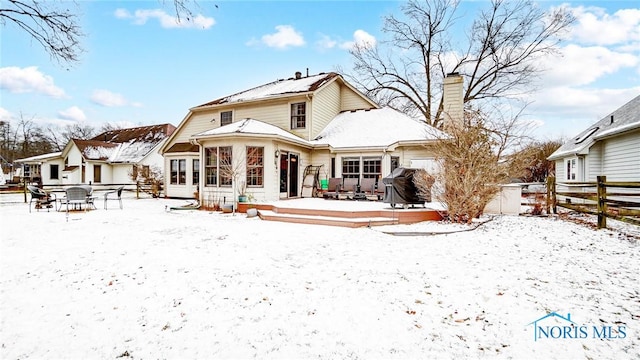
x,y
356,162
259,168
571,167
180,172
195,171
56,172
298,121
215,168
223,114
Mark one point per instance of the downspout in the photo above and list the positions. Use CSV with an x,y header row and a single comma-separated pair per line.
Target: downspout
x,y
309,129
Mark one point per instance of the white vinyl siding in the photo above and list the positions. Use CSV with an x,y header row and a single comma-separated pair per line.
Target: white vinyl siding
x,y
196,124
561,173
276,114
352,101
593,162
621,157
325,106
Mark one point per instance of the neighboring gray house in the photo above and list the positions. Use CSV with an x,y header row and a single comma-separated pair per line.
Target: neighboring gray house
x,y
610,147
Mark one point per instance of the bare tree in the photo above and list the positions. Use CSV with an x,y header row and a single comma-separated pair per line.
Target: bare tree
x,y
78,131
538,168
57,27
473,159
54,27
406,71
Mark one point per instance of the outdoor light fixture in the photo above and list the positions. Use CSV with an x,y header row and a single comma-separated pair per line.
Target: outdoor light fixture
x,y
277,152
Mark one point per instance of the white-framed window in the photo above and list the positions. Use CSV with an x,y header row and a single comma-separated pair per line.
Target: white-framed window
x,y
178,169
572,168
255,166
218,166
54,172
351,167
298,115
226,118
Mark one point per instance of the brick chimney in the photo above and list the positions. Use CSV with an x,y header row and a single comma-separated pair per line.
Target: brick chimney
x,y
453,109
298,75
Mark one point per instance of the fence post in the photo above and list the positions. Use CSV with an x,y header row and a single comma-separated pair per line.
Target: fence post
x,y
137,189
602,202
551,194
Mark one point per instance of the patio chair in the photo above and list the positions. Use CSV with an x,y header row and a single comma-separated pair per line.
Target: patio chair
x,y
90,197
113,195
333,188
349,189
41,198
76,196
368,189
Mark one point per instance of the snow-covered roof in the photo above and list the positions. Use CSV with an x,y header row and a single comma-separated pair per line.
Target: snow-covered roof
x,y
252,127
624,119
375,128
277,88
39,157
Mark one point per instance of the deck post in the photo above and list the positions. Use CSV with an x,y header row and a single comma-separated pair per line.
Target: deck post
x,y
602,202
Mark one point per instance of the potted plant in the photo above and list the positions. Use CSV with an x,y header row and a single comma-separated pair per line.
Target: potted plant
x,y
242,198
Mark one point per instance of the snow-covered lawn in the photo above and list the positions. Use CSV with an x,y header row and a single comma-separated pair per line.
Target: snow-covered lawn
x,y
147,283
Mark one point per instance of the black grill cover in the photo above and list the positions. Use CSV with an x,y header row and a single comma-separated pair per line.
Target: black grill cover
x,y
400,189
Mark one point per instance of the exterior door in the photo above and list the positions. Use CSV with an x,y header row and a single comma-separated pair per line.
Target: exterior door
x,y
288,175
293,175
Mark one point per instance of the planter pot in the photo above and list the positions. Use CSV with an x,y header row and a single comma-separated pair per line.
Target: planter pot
x,y
252,212
227,208
242,198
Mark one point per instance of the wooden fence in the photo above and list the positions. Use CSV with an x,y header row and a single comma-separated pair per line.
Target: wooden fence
x,y
155,190
607,199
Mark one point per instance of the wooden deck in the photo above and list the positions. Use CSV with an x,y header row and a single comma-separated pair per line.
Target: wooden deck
x,y
346,213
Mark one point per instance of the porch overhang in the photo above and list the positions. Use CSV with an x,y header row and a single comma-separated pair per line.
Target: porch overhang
x,y
279,138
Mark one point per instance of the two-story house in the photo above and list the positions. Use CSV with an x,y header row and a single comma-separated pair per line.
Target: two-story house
x,y
269,134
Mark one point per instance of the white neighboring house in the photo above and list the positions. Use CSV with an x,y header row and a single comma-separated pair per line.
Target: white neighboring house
x,y
610,147
109,158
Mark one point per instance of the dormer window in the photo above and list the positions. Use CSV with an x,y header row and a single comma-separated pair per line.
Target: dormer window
x,y
298,115
586,135
226,118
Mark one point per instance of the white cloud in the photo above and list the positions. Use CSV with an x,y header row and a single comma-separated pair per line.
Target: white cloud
x,y
108,98
28,80
584,65
361,38
140,17
5,115
73,113
284,37
595,26
326,42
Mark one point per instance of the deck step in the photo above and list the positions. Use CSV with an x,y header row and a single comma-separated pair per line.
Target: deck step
x,y
352,222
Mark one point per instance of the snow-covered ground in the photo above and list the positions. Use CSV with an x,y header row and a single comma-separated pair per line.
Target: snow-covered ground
x,y
148,283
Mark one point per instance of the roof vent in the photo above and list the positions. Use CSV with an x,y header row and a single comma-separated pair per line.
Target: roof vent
x,y
298,75
611,119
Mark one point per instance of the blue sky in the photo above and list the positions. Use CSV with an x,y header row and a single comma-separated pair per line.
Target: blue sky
x,y
140,68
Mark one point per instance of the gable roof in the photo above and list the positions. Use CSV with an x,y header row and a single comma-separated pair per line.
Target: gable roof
x,y
251,127
142,133
123,145
39,157
372,128
291,86
624,119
